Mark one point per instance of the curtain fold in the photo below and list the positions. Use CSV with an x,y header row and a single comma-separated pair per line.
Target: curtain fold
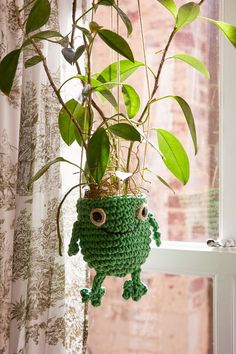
x,y
41,311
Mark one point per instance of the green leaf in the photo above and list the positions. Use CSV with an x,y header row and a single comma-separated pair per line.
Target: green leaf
x,y
131,99
170,5
160,179
98,152
228,29
188,116
46,167
187,14
165,183
85,32
43,35
174,155
8,67
97,86
38,16
79,51
47,34
125,131
124,67
66,126
68,54
106,2
94,27
33,61
105,92
85,120
117,43
194,62
125,19
64,42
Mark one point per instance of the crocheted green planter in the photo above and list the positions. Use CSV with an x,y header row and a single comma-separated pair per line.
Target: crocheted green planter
x,y
114,238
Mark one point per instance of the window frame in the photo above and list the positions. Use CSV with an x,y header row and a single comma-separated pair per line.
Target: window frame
x,y
188,258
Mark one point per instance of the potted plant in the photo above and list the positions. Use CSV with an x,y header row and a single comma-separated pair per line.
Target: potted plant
x,y
114,225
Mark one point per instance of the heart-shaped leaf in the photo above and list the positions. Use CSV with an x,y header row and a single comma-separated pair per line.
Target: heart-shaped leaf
x,y
98,152
187,14
33,61
174,155
79,51
116,42
170,5
8,67
131,99
125,131
194,62
68,54
38,15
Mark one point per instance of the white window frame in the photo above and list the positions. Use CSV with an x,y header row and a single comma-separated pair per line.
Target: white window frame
x,y
186,258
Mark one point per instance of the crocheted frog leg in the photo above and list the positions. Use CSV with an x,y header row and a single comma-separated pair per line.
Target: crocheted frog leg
x,y
73,246
96,293
134,288
155,227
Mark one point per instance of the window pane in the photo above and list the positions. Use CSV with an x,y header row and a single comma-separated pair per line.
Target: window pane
x,y
174,317
192,213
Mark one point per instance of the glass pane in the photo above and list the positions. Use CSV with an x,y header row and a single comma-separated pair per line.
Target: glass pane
x,y
175,316
192,213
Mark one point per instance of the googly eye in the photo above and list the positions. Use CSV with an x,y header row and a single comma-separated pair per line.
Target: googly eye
x,y
98,216
143,212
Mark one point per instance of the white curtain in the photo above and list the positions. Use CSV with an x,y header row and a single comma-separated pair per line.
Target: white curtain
x,y
40,307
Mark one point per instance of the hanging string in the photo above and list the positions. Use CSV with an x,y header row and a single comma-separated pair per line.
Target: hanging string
x,y
118,90
147,81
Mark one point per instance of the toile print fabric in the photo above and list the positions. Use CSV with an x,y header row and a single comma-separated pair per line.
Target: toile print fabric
x,y
40,307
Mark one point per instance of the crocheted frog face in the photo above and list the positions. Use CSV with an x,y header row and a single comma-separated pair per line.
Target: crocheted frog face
x,y
114,234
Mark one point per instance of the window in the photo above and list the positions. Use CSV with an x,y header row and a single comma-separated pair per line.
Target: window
x,y
191,262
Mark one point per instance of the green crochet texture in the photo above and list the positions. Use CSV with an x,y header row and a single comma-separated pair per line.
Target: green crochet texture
x,y
118,247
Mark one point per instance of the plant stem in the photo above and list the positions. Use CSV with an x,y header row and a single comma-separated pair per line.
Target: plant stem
x,y
58,216
155,88
156,83
50,79
74,7
24,7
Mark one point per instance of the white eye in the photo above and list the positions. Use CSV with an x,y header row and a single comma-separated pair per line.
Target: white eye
x,y
143,212
98,216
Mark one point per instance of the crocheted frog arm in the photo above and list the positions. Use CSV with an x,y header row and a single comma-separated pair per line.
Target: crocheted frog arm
x,y
155,228
73,246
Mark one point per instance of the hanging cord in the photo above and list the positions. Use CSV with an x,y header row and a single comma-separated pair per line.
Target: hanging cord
x,y
118,91
148,84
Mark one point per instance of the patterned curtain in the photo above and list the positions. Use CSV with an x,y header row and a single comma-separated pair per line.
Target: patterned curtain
x,y
40,308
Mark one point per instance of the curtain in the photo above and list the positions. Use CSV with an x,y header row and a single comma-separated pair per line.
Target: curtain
x,y
40,309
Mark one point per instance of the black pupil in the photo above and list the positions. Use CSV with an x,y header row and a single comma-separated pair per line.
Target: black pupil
x,y
144,212
97,216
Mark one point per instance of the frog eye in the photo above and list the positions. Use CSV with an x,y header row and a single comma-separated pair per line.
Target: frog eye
x,y
143,212
98,216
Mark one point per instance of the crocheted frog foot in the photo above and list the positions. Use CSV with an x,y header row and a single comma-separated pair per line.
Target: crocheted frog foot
x,y
94,296
134,288
96,293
